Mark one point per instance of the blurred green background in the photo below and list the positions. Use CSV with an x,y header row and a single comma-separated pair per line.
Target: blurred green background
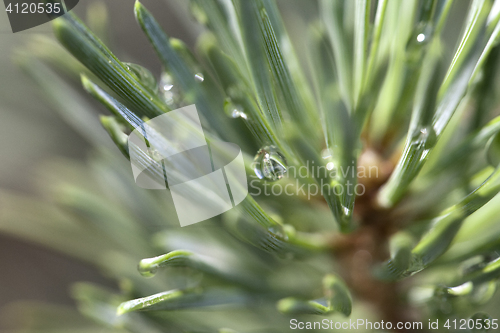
x,y
31,132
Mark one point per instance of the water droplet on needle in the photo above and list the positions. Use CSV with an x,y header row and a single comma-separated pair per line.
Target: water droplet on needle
x,y
270,164
142,75
199,77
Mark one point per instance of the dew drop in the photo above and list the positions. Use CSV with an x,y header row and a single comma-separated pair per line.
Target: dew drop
x,y
239,114
147,267
326,153
199,77
270,164
142,74
277,232
425,136
421,35
155,154
417,42
347,211
166,89
327,156
166,82
148,272
234,111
